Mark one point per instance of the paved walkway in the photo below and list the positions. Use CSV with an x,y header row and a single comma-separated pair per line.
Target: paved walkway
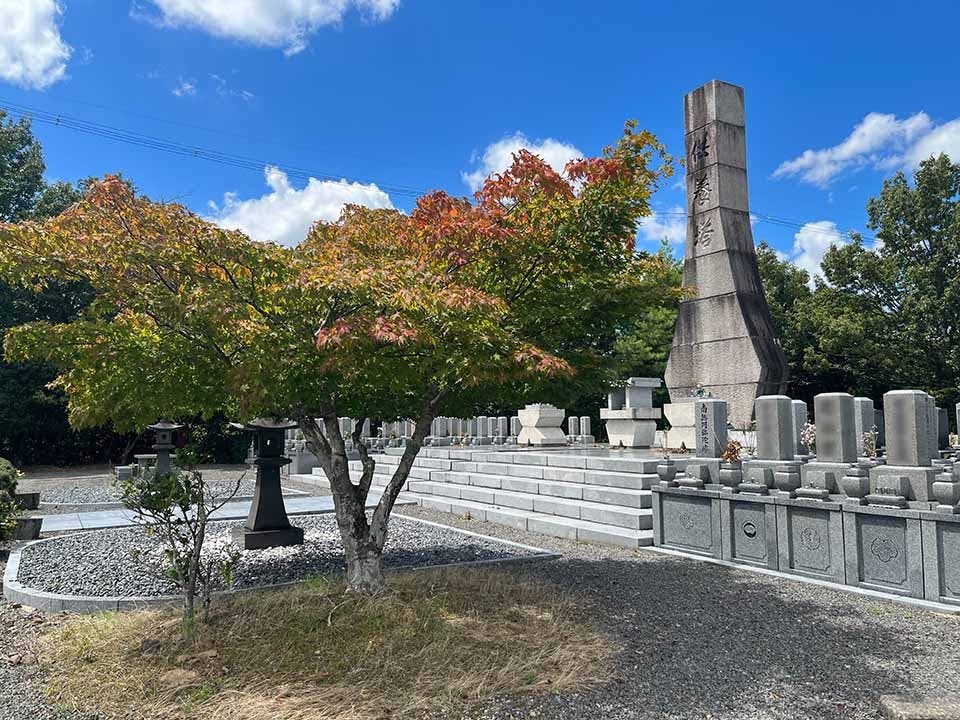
x,y
71,522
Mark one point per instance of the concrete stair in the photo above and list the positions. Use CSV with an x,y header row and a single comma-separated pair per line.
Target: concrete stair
x,y
581,496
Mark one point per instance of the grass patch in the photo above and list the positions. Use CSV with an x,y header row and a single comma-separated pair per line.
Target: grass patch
x,y
435,639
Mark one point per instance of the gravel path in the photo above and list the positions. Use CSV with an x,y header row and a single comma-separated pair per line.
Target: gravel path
x,y
706,641
106,494
101,563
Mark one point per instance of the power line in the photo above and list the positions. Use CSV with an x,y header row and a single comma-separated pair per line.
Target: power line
x,y
129,137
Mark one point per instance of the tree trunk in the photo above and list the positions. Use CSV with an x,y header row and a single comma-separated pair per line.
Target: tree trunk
x,y
365,573
363,539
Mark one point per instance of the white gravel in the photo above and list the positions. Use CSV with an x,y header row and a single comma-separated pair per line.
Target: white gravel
x,y
106,494
101,563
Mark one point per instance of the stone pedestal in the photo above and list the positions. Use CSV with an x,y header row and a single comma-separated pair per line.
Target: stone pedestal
x,y
267,524
630,415
541,426
724,336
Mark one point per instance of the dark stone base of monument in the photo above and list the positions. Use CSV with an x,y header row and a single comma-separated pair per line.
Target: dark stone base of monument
x,y
27,501
27,528
883,549
687,520
810,539
824,475
749,530
260,539
941,556
919,480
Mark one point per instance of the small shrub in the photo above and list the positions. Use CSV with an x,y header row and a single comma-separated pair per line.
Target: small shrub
x,y
9,510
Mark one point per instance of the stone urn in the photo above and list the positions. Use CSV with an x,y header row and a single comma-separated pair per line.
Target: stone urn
x,y
667,471
787,479
731,474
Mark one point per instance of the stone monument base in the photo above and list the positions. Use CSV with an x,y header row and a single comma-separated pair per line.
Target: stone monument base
x,y
260,539
919,480
825,475
631,433
706,469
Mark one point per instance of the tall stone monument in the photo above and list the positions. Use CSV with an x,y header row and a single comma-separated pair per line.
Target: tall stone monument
x,y
724,338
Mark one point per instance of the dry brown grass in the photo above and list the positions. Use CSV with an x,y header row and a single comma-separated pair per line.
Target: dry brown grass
x,y
439,639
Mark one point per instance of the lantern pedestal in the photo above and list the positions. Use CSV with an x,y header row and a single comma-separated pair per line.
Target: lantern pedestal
x,y
267,524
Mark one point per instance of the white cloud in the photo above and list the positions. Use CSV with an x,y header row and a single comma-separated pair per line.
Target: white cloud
x,y
32,53
184,89
941,139
811,243
880,141
670,224
499,155
285,214
286,24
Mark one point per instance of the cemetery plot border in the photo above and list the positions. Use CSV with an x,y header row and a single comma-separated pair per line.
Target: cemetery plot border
x,y
16,592
903,555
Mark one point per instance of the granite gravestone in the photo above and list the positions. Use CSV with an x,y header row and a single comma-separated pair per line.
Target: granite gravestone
x,y
907,472
711,439
801,451
863,421
774,464
724,337
836,442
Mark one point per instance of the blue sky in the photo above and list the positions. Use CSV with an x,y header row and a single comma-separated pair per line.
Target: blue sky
x,y
411,95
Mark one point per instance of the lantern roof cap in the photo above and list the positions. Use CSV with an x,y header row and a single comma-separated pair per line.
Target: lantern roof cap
x,y
165,425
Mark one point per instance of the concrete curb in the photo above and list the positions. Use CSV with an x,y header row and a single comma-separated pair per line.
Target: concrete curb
x,y
15,592
871,594
92,507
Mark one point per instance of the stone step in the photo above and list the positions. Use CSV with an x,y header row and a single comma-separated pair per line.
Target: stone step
x,y
531,463
554,525
604,478
627,497
602,513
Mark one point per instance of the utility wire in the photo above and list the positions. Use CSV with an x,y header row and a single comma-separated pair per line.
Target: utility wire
x,y
109,132
116,134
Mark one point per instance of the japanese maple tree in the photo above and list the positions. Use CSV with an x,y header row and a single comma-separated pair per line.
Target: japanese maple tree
x,y
518,293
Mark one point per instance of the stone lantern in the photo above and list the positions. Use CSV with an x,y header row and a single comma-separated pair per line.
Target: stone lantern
x,y
163,444
267,524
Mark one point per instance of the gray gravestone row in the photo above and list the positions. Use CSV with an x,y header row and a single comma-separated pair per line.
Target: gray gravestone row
x,y
884,523
901,551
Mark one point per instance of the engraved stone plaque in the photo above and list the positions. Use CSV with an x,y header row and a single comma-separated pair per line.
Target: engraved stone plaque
x,y
883,549
687,522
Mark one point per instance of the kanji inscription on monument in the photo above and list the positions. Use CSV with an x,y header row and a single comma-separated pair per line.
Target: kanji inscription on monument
x,y
724,337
